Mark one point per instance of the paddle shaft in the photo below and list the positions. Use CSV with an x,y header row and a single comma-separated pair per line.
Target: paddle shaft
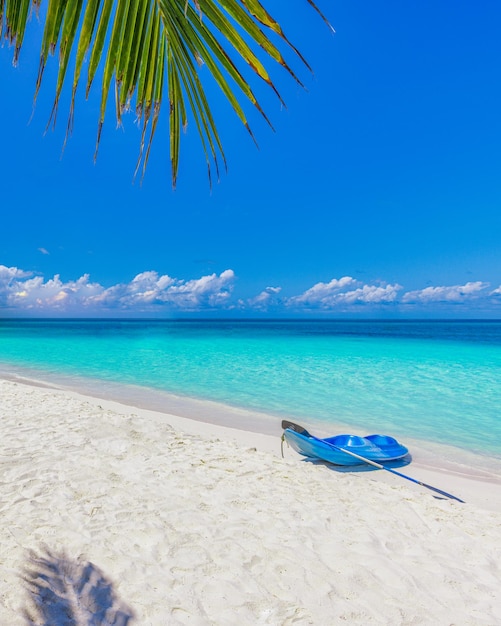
x,y
388,469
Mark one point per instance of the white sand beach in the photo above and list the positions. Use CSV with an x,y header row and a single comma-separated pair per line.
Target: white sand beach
x,y
116,515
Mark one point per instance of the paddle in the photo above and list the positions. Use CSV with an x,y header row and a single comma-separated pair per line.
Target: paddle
x,y
302,431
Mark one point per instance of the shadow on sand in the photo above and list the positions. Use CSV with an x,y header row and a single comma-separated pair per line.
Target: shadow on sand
x,y
70,592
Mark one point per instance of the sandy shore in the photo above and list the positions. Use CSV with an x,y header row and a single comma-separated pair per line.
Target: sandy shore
x,y
115,515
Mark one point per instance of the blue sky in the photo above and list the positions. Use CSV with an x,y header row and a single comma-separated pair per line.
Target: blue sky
x,y
378,194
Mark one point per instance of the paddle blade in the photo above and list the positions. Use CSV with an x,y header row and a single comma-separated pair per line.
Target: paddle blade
x,y
295,427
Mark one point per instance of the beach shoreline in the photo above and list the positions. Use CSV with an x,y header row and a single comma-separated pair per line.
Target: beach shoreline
x,y
247,426
191,522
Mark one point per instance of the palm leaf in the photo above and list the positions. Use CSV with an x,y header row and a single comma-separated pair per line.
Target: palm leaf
x,y
144,49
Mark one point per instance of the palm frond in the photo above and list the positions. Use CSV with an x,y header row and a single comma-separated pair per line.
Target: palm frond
x,y
146,49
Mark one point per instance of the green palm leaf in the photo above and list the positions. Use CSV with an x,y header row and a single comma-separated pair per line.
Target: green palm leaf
x,y
148,49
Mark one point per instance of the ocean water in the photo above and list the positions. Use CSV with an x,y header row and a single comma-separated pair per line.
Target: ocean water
x,y
437,381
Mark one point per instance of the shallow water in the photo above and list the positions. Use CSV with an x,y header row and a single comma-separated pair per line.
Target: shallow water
x,y
435,381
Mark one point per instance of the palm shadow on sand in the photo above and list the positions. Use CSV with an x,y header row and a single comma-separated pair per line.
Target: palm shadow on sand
x,y
70,592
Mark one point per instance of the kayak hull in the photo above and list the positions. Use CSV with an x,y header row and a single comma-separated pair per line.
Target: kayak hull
x,y
377,448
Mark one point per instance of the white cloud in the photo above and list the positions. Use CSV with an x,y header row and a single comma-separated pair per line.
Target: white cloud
x,y
323,292
22,290
8,274
266,299
344,291
211,290
150,289
10,279
371,294
454,293
34,293
43,250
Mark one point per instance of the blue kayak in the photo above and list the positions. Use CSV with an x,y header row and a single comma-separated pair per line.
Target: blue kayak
x,y
343,449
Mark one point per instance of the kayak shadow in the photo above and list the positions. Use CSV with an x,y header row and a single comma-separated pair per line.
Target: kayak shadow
x,y
363,467
388,466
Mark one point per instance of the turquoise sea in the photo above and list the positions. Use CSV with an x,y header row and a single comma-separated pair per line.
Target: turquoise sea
x,y
437,381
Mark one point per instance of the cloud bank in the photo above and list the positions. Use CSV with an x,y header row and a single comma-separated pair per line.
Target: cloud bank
x,y
345,291
20,290
24,292
455,293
